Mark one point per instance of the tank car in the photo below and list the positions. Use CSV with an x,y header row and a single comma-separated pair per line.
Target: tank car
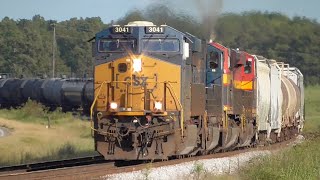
x,y
10,95
88,96
45,91
29,89
293,89
70,94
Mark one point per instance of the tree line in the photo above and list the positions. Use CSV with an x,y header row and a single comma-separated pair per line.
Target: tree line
x,y
26,45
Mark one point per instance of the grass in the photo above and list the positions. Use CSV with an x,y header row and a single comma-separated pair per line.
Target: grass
x,y
31,141
312,108
300,162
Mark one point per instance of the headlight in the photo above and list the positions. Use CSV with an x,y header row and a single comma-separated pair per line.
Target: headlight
x,y
137,65
113,105
135,121
158,105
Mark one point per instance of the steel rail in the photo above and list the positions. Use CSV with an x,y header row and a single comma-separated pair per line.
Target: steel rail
x,y
54,164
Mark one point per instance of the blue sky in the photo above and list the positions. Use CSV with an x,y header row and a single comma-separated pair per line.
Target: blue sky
x,y
113,9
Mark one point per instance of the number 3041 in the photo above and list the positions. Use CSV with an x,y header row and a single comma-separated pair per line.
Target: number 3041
x,y
155,29
121,29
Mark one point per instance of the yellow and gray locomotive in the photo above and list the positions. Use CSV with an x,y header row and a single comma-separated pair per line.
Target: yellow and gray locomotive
x,y
143,85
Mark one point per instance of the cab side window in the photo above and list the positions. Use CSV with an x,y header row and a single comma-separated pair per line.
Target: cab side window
x,y
214,71
213,60
248,67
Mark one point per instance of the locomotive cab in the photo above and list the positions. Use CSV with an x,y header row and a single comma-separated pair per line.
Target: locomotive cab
x,y
130,60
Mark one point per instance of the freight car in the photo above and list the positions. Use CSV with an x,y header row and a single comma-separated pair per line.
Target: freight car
x,y
161,93
70,94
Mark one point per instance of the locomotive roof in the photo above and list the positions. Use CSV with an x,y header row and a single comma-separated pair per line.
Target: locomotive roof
x,y
138,29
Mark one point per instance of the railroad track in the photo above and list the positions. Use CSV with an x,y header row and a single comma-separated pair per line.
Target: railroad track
x,y
26,170
89,168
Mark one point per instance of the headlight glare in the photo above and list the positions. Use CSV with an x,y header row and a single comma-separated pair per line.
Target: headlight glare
x,y
137,65
113,105
158,105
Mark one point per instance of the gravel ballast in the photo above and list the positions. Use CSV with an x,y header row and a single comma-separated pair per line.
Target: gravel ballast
x,y
184,170
187,170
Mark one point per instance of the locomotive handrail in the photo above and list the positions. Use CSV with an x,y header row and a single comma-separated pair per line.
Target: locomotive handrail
x,y
93,104
91,111
181,108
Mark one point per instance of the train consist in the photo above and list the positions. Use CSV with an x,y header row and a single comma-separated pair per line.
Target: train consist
x,y
161,93
70,94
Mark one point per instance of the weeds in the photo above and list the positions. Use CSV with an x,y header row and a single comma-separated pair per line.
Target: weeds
x,y
198,170
146,172
66,151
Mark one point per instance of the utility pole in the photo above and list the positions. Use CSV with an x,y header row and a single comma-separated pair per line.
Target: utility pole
x,y
53,49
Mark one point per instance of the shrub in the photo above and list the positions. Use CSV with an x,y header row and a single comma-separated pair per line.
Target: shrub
x,y
66,150
198,170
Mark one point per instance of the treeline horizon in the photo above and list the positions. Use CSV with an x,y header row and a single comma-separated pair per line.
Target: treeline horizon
x,y
26,44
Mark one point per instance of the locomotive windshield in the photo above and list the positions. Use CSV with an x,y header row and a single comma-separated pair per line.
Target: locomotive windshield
x,y
160,45
116,45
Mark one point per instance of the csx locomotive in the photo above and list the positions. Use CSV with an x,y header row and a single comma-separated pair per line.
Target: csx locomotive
x,y
161,93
